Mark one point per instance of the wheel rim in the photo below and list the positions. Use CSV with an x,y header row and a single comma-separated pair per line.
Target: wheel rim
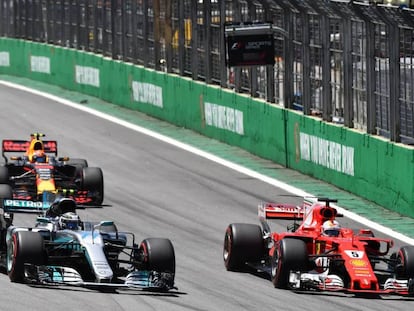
x,y
11,255
144,249
275,263
227,246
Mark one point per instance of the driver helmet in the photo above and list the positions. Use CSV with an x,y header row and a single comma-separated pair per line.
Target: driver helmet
x,y
69,221
38,153
331,228
39,156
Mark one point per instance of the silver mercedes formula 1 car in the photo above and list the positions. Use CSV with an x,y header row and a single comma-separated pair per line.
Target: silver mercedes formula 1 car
x,y
61,249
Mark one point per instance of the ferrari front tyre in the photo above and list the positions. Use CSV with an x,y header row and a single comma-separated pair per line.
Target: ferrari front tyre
x,y
24,247
242,243
289,255
405,262
158,255
93,182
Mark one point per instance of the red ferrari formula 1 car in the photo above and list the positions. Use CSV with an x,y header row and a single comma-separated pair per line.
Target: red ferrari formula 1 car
x,y
34,169
316,253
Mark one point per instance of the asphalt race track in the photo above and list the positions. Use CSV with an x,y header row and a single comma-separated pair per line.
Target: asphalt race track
x,y
155,189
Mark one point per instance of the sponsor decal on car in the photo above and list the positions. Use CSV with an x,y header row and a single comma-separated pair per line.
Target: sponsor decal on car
x,y
358,262
24,204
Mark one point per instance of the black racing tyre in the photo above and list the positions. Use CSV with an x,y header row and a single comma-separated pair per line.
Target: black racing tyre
x,y
290,254
93,181
77,162
6,192
242,243
24,247
405,262
4,175
158,255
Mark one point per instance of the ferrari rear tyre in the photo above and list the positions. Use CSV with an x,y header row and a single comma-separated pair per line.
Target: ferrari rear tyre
x,y
289,255
24,247
158,255
93,181
242,243
405,262
4,175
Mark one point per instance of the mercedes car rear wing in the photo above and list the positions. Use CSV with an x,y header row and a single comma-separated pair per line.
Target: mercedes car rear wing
x,y
24,206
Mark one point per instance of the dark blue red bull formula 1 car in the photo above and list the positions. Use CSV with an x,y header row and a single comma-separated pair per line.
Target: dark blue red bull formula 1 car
x,y
32,168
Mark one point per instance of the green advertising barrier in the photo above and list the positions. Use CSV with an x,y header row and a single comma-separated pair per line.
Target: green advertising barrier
x,y
13,60
368,166
365,165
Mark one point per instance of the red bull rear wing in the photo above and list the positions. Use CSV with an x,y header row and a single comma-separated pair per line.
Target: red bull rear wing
x,y
12,145
19,146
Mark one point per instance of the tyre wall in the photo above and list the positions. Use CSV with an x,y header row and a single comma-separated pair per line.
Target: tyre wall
x,y
365,165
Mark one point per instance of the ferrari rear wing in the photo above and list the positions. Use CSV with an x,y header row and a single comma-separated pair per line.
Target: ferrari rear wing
x,y
280,211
